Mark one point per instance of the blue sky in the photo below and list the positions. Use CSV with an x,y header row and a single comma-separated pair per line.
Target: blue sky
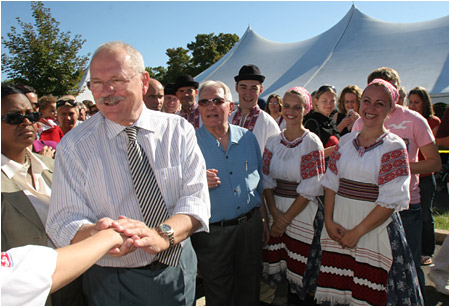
x,y
154,26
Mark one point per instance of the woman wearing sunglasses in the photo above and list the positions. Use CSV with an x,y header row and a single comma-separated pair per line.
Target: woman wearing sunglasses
x,y
26,177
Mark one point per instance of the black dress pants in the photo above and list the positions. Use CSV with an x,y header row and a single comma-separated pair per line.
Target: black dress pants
x,y
230,262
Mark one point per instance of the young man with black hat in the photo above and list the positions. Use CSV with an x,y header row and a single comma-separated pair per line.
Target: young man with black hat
x,y
171,103
248,114
186,91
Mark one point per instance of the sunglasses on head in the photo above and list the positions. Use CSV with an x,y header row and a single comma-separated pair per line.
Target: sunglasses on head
x,y
17,118
324,88
61,103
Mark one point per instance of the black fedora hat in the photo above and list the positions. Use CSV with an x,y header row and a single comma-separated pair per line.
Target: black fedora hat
x,y
249,72
169,89
185,80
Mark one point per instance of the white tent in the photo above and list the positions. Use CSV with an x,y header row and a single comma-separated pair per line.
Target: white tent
x,y
345,55
341,56
85,93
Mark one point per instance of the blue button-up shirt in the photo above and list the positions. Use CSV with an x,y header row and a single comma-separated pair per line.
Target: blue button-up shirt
x,y
239,169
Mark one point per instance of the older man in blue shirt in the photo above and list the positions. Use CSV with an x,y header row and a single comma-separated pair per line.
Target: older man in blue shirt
x,y
230,255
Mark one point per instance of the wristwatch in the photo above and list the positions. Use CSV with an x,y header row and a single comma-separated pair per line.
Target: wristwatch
x,y
166,230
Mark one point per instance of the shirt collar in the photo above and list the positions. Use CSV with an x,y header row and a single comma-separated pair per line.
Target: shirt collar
x,y
234,136
11,167
113,129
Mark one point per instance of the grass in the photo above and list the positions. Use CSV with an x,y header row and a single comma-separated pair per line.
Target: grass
x,y
440,219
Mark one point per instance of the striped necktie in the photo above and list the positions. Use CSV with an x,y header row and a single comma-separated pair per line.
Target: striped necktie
x,y
148,193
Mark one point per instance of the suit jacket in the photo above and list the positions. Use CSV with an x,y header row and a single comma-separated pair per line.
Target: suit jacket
x,y
21,224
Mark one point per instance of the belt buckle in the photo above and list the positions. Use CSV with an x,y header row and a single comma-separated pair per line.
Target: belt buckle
x,y
157,266
242,219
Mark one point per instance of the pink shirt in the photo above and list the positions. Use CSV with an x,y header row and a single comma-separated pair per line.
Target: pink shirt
x,y
415,131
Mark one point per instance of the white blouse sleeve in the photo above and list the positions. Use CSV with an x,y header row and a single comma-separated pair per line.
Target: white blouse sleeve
x,y
268,181
393,180
27,275
312,169
331,178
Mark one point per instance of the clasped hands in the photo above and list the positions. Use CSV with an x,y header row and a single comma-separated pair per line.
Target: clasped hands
x,y
280,223
135,234
346,238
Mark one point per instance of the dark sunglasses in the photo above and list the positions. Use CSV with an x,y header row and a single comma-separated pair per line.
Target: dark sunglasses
x,y
17,118
61,103
215,101
325,88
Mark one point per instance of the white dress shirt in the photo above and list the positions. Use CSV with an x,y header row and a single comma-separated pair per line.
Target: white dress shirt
x,y
92,178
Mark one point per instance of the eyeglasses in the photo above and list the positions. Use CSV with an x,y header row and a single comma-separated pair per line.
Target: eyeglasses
x,y
215,101
17,118
274,102
117,84
61,103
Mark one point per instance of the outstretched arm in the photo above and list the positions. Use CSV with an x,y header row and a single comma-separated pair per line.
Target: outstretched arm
x,y
73,260
148,239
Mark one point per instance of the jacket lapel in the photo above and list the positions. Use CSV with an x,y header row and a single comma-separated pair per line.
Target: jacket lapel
x,y
12,193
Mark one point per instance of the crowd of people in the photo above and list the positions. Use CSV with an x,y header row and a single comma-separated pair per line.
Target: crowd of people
x,y
133,198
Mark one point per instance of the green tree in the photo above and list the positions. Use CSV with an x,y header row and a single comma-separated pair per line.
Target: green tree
x,y
178,63
42,56
200,54
157,73
208,49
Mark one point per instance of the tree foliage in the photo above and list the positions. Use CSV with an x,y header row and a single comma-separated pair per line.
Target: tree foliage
x,y
42,56
206,50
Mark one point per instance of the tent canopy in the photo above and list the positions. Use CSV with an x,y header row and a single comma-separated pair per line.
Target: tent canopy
x,y
344,55
341,56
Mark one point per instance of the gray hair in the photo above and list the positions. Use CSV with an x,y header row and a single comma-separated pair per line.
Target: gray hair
x,y
216,84
135,59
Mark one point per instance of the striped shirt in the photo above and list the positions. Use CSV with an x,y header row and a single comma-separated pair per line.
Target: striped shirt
x,y
92,178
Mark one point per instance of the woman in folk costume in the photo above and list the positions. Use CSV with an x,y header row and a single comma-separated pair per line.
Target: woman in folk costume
x,y
365,257
293,167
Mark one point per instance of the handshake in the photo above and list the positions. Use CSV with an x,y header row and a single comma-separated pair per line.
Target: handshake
x,y
133,234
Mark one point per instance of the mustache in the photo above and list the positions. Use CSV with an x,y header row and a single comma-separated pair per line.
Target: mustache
x,y
111,99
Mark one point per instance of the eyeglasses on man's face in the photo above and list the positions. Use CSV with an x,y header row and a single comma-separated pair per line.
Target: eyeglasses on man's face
x,y
118,84
17,118
207,102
